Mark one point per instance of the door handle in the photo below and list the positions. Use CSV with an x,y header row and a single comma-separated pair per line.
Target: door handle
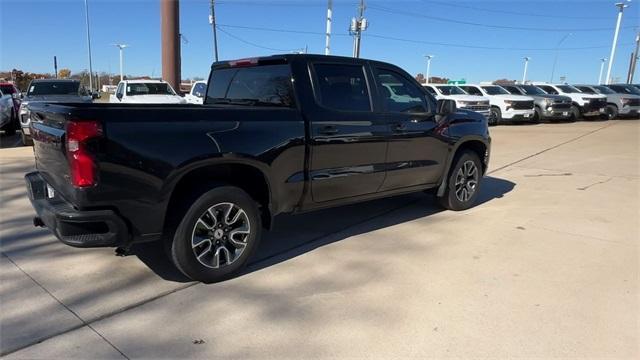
x,y
328,130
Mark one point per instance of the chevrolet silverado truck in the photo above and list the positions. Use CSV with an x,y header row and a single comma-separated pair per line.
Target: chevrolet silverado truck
x,y
547,106
583,105
504,106
279,134
145,92
618,104
462,99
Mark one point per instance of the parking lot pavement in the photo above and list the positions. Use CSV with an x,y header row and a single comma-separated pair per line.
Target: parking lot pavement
x,y
546,266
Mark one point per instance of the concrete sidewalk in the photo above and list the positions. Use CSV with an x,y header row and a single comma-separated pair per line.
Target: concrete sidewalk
x,y
546,266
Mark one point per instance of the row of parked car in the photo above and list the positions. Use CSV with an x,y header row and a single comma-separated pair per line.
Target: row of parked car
x,y
542,101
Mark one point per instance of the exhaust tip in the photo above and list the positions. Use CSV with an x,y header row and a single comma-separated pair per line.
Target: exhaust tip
x,y
37,222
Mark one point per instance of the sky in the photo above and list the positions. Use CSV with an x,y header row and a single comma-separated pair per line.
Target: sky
x,y
473,40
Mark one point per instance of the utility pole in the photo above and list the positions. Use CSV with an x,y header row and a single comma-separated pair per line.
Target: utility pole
x,y
327,47
212,21
621,7
86,13
526,64
358,25
429,57
602,61
634,60
55,65
121,47
170,27
555,59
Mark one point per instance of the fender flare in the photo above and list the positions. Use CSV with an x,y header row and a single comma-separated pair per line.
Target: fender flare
x,y
452,154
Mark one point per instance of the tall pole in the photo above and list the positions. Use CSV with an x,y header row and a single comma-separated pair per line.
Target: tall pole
x,y
526,63
55,66
621,7
327,43
555,59
429,57
357,26
86,13
634,60
212,21
121,47
602,61
170,26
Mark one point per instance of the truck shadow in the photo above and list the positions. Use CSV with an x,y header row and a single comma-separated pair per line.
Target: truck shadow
x,y
293,236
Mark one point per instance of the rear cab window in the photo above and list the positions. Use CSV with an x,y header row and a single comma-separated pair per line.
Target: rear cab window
x,y
260,85
342,87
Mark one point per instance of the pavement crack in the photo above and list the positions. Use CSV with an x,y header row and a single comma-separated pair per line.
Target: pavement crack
x,y
558,174
595,183
549,148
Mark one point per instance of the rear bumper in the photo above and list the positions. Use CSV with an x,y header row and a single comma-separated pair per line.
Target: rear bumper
x,y
93,228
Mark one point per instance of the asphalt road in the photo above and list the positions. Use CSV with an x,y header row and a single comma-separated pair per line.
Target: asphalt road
x,y
546,266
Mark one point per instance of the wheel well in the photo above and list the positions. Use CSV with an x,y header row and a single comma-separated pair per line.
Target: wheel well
x,y
199,181
612,104
477,147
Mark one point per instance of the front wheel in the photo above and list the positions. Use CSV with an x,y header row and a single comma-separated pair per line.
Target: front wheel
x,y
463,182
495,116
575,113
217,235
611,112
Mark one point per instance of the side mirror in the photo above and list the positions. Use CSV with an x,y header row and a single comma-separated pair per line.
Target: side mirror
x,y
446,107
119,96
95,95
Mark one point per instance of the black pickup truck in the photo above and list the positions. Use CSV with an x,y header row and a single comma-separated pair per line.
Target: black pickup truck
x,y
278,134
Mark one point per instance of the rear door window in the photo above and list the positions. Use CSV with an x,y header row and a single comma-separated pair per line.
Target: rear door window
x,y
342,87
472,90
548,89
267,85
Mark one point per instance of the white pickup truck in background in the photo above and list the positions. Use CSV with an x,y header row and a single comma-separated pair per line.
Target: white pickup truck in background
x,y
462,99
145,92
583,104
197,93
504,105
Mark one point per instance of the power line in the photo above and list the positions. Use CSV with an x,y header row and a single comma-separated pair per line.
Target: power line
x,y
503,27
457,5
304,32
251,43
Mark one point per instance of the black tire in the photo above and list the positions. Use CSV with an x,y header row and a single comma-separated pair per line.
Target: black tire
x,y
537,116
26,139
611,112
10,127
575,113
495,116
183,253
452,199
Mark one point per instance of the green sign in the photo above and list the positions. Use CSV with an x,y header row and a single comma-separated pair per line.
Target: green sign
x,y
457,82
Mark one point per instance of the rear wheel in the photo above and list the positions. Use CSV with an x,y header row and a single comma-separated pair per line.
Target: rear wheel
x,y
217,235
463,182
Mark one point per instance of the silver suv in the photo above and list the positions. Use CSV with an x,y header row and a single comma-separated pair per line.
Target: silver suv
x,y
547,106
618,103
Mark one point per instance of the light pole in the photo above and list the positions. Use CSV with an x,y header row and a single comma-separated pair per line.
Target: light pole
x,y
429,57
86,13
621,7
327,43
602,61
121,47
526,64
358,25
555,59
212,21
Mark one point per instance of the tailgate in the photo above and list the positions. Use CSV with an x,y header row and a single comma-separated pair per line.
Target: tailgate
x,y
48,133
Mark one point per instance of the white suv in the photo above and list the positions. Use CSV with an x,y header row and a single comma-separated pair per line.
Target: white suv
x,y
584,105
504,105
462,99
145,92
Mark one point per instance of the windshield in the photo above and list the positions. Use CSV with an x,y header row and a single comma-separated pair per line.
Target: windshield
x,y
149,89
625,89
7,89
495,90
532,90
54,88
568,89
451,90
604,90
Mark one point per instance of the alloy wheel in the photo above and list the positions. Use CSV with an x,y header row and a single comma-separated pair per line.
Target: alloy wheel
x,y
220,235
466,181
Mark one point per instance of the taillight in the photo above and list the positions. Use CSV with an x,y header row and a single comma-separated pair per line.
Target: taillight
x,y
81,164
